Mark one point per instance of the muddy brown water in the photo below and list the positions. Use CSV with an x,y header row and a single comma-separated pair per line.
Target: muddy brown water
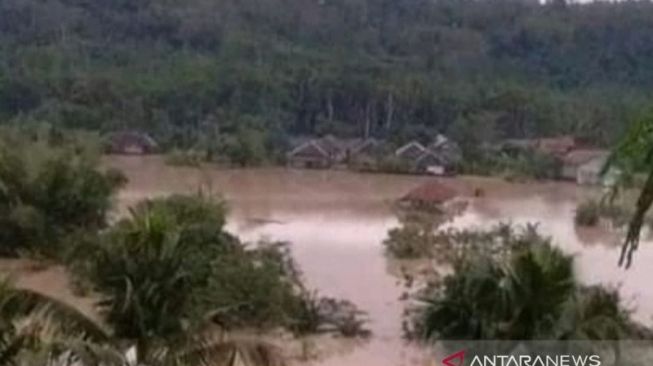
x,y
337,220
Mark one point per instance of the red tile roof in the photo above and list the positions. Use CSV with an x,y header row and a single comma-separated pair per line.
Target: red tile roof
x,y
432,192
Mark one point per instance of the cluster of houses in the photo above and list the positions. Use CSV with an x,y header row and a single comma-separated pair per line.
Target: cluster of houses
x,y
578,160
439,157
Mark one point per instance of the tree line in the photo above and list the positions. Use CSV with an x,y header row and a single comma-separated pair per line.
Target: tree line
x,y
257,72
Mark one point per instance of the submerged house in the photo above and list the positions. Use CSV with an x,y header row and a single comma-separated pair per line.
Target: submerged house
x,y
130,143
586,167
310,154
446,149
438,158
323,152
556,146
432,193
431,163
367,153
411,151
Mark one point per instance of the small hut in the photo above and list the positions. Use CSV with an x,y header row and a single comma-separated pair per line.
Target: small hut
x,y
429,194
130,143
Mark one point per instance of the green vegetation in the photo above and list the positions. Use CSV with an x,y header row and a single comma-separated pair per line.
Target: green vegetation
x,y
236,79
616,211
529,292
178,242
512,164
50,190
421,237
634,154
39,331
190,158
171,283
588,213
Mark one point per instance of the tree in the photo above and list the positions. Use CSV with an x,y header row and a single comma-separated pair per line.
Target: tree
x,y
529,294
634,154
168,276
50,188
38,330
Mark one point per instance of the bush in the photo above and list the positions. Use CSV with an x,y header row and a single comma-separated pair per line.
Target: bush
x,y
185,158
588,213
393,164
49,192
411,241
515,166
419,237
170,265
529,293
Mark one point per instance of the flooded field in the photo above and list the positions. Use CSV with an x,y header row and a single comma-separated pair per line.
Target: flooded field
x,y
337,220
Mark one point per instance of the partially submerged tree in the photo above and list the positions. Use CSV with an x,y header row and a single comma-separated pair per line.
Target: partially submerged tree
x,y
49,191
635,154
154,271
173,283
531,293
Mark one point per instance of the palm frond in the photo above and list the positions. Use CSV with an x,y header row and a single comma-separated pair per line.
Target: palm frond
x,y
66,316
637,221
211,348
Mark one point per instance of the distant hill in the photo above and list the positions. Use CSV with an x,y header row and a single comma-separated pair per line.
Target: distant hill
x,y
399,69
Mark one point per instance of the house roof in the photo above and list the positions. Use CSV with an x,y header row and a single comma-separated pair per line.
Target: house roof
x,y
433,192
311,147
331,144
365,145
132,137
582,156
440,140
412,150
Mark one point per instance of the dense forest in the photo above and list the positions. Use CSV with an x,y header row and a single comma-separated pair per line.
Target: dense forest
x,y
256,73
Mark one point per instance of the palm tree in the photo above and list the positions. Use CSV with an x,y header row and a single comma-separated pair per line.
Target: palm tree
x,y
38,330
594,313
152,273
533,295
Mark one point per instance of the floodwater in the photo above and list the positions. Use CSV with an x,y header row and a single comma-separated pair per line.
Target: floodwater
x,y
337,220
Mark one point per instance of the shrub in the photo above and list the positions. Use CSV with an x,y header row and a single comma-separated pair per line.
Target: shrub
x,y
531,292
410,241
394,164
419,237
588,213
185,158
170,266
48,193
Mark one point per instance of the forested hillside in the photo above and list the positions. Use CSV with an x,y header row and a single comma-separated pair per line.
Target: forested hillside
x,y
260,71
